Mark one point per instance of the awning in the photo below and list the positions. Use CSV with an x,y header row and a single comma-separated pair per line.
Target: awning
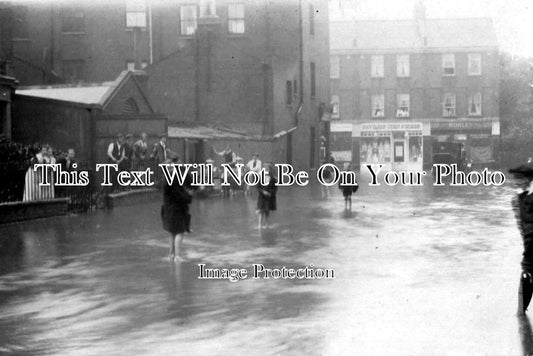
x,y
204,133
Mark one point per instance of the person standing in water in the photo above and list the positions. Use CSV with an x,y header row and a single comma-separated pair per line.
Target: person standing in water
x,y
347,189
523,208
175,214
266,197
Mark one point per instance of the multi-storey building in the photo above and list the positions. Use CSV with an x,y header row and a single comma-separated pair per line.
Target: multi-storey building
x,y
253,67
399,88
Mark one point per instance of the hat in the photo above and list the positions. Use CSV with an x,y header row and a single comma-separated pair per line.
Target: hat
x,y
209,160
238,159
120,135
525,170
162,135
129,136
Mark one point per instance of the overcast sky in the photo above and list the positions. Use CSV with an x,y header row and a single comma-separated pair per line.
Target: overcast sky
x,y
513,19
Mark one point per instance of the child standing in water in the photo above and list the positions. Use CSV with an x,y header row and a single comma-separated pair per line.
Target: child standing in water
x,y
347,189
266,197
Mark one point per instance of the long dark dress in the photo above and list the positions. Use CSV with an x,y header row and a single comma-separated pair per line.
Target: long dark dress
x,y
266,199
175,210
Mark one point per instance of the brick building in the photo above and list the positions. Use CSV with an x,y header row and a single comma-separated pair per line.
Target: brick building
x,y
400,88
258,69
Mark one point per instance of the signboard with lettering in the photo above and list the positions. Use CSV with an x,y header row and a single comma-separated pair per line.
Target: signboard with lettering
x,y
461,125
392,126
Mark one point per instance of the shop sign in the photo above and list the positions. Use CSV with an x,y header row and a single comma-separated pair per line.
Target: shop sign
x,y
392,126
461,125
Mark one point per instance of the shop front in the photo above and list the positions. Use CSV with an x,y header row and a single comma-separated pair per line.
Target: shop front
x,y
479,138
398,146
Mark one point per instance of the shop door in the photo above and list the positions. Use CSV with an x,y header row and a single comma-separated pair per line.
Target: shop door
x,y
399,154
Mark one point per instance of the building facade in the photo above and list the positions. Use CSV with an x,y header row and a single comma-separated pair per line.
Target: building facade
x,y
255,67
401,88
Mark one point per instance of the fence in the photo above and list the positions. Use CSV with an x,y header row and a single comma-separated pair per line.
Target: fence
x,y
20,183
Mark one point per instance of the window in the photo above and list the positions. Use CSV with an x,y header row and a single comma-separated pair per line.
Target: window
x,y
188,19
474,104
448,105
376,64
335,107
208,8
402,65
236,18
313,80
403,105
20,22
448,64
135,13
311,19
74,70
378,105
72,20
130,65
334,64
295,88
474,64
288,95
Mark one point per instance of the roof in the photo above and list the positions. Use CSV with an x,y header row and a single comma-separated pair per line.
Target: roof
x,y
412,35
85,94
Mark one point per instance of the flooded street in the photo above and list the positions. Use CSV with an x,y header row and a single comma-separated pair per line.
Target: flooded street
x,y
419,271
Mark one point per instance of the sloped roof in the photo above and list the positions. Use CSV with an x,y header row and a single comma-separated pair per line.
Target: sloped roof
x,y
412,35
85,94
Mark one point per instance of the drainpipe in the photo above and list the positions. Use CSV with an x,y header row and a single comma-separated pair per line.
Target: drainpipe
x,y
301,64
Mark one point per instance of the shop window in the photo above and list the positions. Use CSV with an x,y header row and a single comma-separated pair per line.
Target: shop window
x,y
448,64
415,148
376,149
448,106
474,64
188,19
474,104
376,66
378,105
403,105
288,94
72,20
135,13
335,107
236,18
334,67
402,65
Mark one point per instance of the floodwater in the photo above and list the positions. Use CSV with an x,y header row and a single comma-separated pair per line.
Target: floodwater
x,y
418,271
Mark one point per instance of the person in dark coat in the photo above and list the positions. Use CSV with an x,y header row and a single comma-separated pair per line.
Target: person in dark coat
x,y
347,190
175,215
266,197
523,208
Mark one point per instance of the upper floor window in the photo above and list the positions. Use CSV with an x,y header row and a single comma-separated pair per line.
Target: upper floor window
x,y
474,104
20,22
288,94
135,13
376,66
403,105
378,105
474,64
334,67
448,105
72,19
208,8
335,107
448,64
311,19
188,19
236,18
402,65
313,80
